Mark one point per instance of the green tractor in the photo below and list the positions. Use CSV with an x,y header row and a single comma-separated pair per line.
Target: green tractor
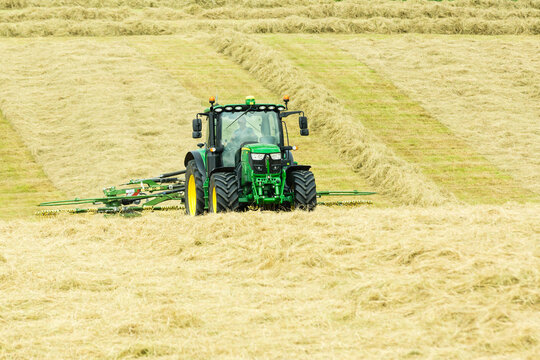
x,y
246,161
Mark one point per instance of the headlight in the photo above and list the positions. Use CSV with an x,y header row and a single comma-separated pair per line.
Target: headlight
x,y
258,157
275,156
218,110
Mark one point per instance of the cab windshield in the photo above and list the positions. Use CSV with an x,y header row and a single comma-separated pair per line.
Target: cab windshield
x,y
240,127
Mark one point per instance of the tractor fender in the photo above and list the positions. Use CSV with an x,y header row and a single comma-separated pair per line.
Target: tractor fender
x,y
222,169
196,155
292,168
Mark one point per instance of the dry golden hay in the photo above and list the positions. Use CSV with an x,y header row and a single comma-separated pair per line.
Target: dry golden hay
x,y
292,24
371,9
94,113
268,4
372,158
137,4
446,282
99,18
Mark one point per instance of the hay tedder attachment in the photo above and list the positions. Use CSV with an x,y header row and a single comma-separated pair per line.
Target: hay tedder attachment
x,y
132,198
140,195
246,163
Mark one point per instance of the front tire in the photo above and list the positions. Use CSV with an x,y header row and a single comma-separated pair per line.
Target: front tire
x,y
305,191
194,194
223,193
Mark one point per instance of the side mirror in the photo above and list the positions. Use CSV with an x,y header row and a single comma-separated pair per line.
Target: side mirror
x,y
197,124
302,122
197,127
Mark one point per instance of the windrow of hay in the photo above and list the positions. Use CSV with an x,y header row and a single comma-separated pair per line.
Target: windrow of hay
x,y
292,24
373,159
81,13
58,27
296,24
19,4
202,4
340,10
492,99
369,9
447,282
148,18
137,4
94,113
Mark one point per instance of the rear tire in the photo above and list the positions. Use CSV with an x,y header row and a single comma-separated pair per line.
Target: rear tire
x,y
223,193
194,194
305,191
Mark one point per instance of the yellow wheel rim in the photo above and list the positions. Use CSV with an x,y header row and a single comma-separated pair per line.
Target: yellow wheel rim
x,y
192,195
214,200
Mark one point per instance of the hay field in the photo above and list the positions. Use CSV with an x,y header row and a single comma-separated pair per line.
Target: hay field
x,y
94,113
491,94
402,122
363,151
98,112
405,282
149,17
194,62
450,281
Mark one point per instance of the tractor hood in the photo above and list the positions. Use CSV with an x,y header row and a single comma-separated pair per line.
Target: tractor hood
x,y
262,148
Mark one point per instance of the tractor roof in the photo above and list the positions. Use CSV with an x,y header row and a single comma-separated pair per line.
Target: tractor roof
x,y
244,107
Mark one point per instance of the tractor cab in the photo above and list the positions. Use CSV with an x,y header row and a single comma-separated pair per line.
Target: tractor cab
x,y
240,128
246,149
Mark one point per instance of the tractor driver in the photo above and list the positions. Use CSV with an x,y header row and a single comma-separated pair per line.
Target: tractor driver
x,y
243,133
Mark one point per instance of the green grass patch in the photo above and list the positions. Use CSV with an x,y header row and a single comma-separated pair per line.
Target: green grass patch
x,y
205,73
400,122
23,184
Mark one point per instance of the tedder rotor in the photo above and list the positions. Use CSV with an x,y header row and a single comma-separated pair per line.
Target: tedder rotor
x,y
246,162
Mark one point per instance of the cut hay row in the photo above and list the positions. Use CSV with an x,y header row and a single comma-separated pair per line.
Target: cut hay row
x,y
94,113
293,24
99,18
80,13
195,5
19,4
382,25
337,10
368,9
492,100
448,282
199,5
373,159
59,27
